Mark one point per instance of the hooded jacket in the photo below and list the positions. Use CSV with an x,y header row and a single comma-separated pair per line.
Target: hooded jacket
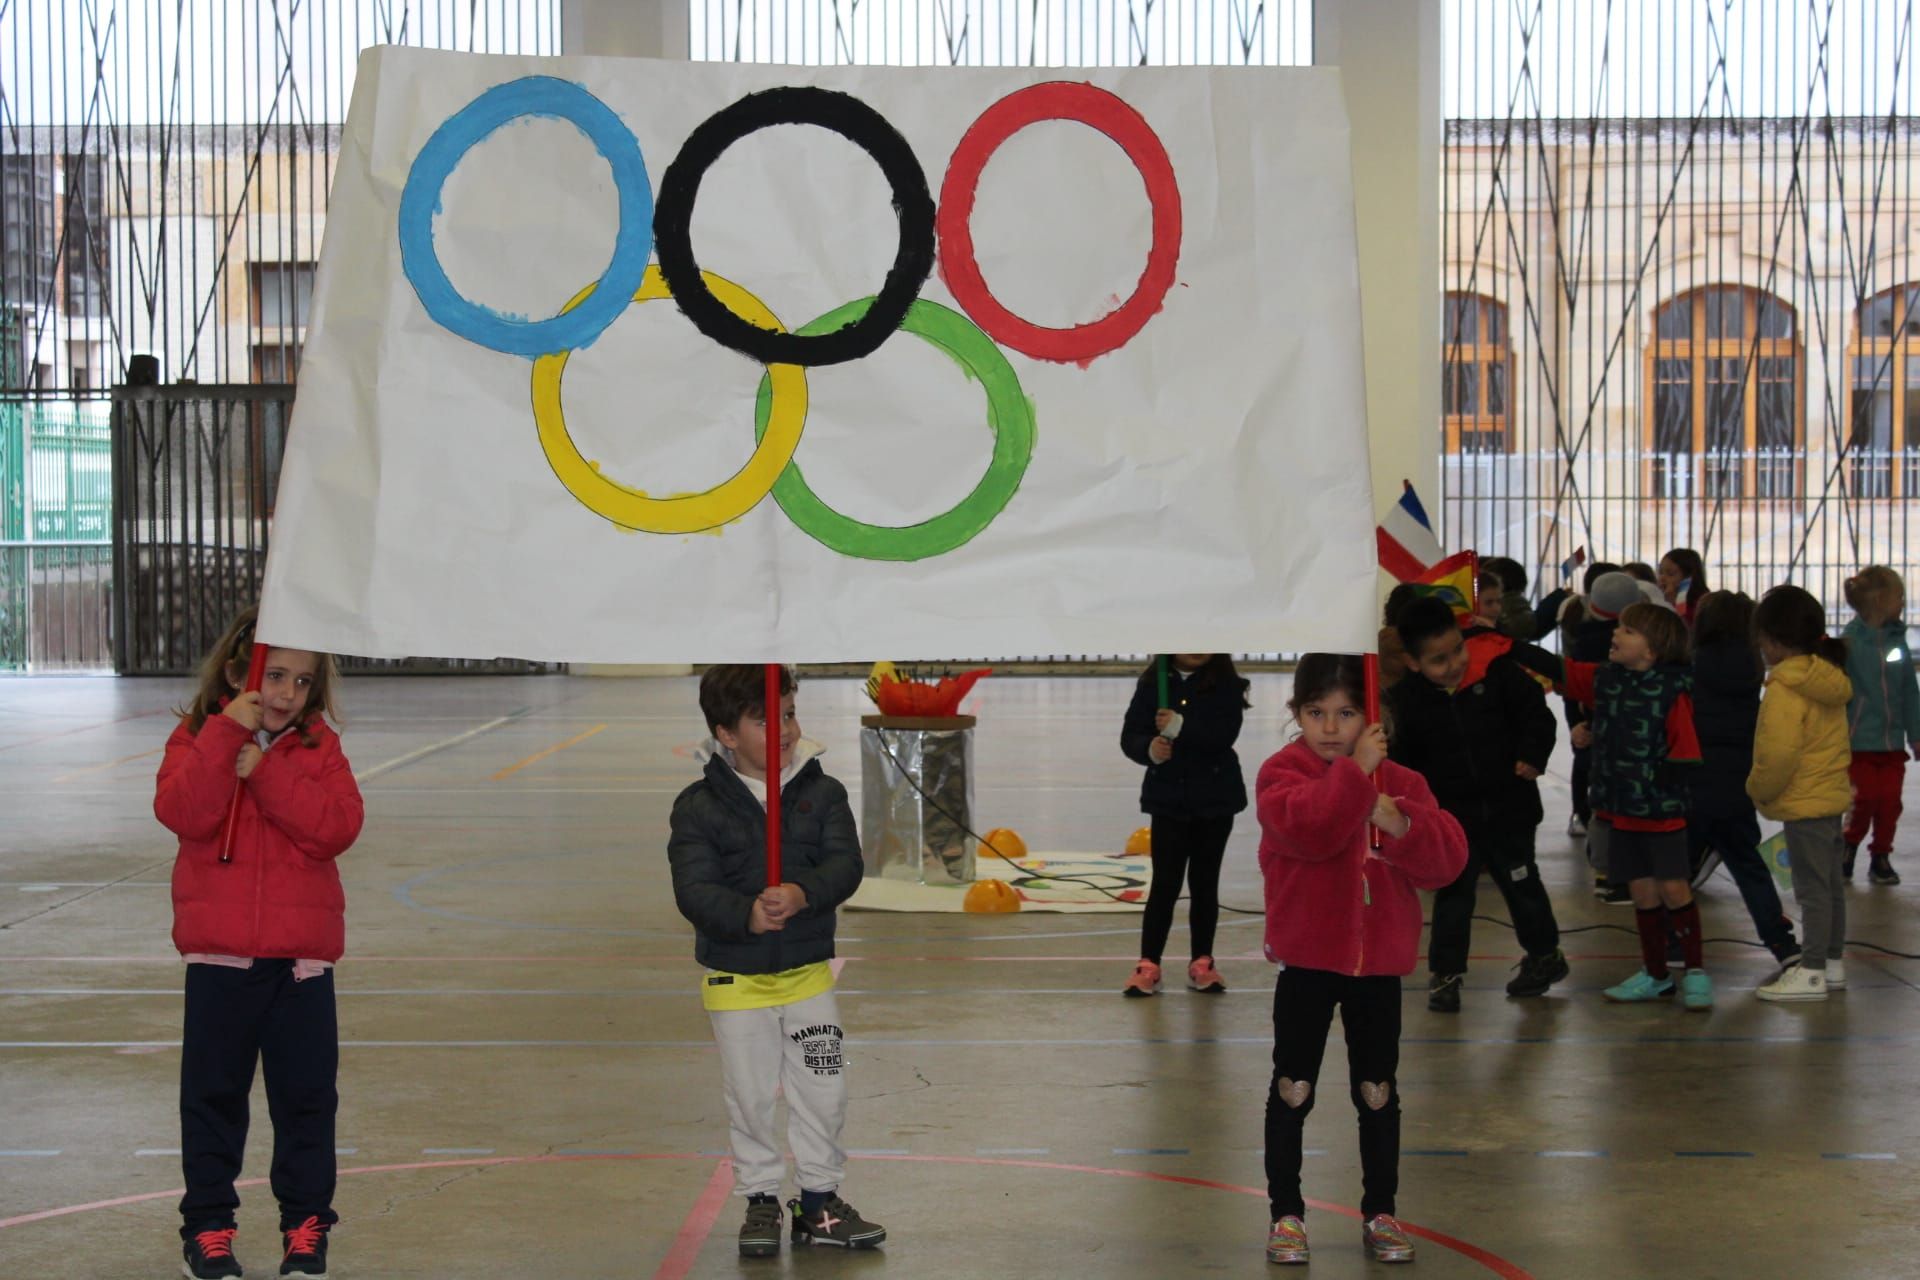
x,y
1800,748
280,896
1332,903
1884,713
1202,778
1465,743
717,848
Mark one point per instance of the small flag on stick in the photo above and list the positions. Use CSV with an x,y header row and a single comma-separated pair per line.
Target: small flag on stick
x,y
1407,545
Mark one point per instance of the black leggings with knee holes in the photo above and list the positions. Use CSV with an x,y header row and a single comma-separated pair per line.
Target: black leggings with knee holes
x,y
1303,1005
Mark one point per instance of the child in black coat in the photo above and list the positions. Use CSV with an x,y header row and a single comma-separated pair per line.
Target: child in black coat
x,y
1727,676
1192,789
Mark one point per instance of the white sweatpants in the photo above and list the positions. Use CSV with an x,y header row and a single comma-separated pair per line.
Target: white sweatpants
x,y
792,1049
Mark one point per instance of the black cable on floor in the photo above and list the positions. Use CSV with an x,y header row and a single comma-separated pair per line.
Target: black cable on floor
x,y
1027,877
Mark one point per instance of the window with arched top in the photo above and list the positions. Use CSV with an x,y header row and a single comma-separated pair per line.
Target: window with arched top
x,y
1723,396
1476,375
1883,453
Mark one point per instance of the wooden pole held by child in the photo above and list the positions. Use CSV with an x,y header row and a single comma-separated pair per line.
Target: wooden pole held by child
x,y
774,672
256,672
1370,665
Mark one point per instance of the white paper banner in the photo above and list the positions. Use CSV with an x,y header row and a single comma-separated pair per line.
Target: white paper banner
x,y
1075,366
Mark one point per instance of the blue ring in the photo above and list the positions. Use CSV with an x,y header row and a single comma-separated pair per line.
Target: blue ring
x,y
632,244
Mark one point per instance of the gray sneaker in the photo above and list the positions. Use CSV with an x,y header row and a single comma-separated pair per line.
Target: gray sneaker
x,y
760,1234
837,1223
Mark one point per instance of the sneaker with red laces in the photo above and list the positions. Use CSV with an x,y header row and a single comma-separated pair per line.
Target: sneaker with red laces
x,y
209,1255
1145,980
1386,1240
1204,978
306,1249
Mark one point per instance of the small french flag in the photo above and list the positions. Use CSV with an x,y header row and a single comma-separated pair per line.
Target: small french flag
x,y
1408,547
1571,565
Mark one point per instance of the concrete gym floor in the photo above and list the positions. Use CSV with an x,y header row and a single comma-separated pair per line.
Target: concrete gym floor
x,y
528,1084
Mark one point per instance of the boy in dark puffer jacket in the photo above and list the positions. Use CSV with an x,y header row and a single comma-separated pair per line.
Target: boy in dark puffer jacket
x,y
1481,745
768,988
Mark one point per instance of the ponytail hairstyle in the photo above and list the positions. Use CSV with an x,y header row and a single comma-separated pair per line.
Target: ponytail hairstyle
x,y
1217,669
1791,618
223,673
1874,589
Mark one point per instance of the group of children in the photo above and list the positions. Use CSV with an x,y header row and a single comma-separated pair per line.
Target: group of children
x,y
1678,750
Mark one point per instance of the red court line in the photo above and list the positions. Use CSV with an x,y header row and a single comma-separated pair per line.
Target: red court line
x,y
1492,1262
698,1226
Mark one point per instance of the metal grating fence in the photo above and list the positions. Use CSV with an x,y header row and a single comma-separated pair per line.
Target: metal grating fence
x,y
1680,286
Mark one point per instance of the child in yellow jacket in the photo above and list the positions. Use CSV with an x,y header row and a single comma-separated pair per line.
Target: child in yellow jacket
x,y
1801,753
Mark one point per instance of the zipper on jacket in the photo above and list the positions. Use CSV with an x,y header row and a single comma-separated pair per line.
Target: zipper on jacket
x,y
1366,900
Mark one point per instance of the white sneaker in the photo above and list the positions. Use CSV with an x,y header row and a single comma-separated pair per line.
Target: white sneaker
x,y
1836,975
1796,982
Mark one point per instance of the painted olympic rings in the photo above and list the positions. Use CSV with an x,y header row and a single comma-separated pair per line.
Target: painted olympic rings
x,y
420,200
961,270
731,316
865,128
783,394
1008,413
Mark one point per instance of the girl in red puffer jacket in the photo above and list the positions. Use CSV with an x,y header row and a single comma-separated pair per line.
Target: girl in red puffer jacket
x,y
1343,922
260,934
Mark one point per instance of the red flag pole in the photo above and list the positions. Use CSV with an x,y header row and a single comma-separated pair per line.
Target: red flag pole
x,y
256,672
773,773
1371,666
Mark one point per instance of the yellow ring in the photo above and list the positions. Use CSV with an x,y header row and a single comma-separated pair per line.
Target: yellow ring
x,y
727,501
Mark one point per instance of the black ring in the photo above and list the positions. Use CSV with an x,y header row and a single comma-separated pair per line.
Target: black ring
x,y
859,124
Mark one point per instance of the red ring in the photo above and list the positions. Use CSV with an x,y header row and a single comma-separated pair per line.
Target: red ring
x,y
1095,107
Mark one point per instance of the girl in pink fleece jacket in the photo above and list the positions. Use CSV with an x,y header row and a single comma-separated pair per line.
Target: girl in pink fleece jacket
x,y
1343,922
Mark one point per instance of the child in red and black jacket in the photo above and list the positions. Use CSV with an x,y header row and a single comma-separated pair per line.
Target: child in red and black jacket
x,y
1343,922
260,934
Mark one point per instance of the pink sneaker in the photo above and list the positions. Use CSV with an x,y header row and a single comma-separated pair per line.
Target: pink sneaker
x,y
1203,977
1145,980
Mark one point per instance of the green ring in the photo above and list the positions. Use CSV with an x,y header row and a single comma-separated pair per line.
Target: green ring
x,y
1008,414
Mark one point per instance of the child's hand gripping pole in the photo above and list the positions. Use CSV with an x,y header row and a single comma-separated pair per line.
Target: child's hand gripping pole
x,y
256,672
1370,664
773,774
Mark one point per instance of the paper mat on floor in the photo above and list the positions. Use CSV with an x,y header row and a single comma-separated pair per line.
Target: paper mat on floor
x,y
1038,879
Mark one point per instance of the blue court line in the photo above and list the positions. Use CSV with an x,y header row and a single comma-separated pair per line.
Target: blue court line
x,y
1574,1155
456,1151
25,1153
1434,1151
876,1151
1715,1155
1265,1041
1314,1151
158,1151
593,1151
1151,1151
346,1151
1858,1155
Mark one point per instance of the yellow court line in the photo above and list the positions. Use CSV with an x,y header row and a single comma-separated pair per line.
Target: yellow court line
x,y
538,756
96,768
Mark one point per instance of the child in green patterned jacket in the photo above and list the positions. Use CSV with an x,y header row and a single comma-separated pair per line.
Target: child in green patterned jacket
x,y
1642,727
